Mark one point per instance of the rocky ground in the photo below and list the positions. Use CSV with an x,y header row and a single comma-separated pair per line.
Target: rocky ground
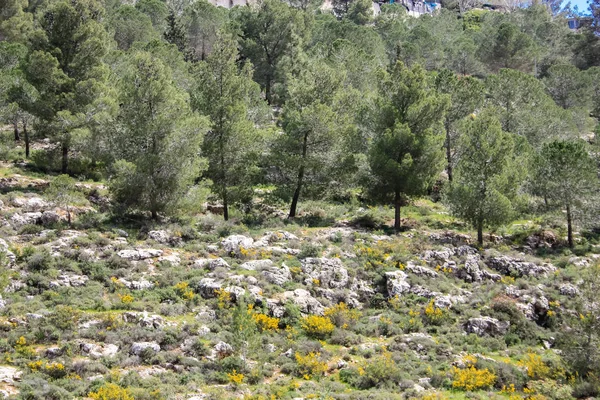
x,y
203,309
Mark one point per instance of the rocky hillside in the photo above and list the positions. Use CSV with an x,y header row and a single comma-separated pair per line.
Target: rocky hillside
x,y
112,308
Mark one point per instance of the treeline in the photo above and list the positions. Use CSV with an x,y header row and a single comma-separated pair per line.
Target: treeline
x,y
165,100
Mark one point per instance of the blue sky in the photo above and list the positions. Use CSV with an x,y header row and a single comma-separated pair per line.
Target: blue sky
x,y
582,5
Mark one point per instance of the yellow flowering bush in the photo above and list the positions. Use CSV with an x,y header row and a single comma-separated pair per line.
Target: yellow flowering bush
x,y
434,315
265,323
111,391
235,377
317,326
125,298
310,365
223,298
183,290
535,366
471,378
341,315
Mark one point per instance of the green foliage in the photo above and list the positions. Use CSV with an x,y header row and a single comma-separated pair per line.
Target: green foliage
x,y
405,156
487,180
231,100
160,163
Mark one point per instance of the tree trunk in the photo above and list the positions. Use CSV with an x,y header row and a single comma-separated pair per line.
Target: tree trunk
x,y
480,233
300,180
16,129
69,216
569,227
294,204
154,214
268,88
225,205
448,152
397,205
65,158
26,140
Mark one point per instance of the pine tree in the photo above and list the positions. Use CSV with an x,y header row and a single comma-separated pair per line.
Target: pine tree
x,y
157,139
405,156
230,99
488,177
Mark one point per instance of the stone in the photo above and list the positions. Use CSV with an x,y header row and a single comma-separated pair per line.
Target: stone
x,y
486,326
139,254
207,287
49,218
256,265
396,283
53,352
10,375
567,289
137,285
517,267
438,257
419,270
277,275
138,347
330,272
210,263
223,349
159,236
206,314
69,281
305,302
32,218
232,244
172,259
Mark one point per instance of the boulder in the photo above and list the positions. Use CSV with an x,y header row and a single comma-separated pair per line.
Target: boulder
x,y
223,349
305,302
330,272
276,275
419,270
486,326
256,265
210,263
49,218
207,287
32,218
139,254
517,267
396,283
159,236
232,244
138,347
567,289
172,259
69,281
137,285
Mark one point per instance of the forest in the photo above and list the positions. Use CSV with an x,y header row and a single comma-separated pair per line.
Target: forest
x,y
369,162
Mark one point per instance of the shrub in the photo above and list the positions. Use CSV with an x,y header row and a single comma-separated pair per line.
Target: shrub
x,y
342,316
317,326
434,315
235,377
265,323
471,378
39,261
111,391
535,366
310,365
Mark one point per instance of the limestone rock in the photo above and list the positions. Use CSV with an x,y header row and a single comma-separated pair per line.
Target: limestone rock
x,y
210,263
256,265
396,283
138,347
486,325
305,302
330,272
516,267
232,244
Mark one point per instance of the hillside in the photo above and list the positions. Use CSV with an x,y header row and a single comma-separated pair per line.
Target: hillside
x,y
323,309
